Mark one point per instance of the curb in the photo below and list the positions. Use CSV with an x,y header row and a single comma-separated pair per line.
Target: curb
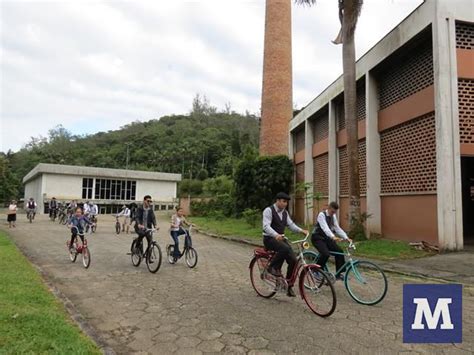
x,y
383,267
71,309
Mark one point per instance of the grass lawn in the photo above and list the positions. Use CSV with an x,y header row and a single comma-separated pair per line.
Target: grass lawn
x,y
32,320
376,248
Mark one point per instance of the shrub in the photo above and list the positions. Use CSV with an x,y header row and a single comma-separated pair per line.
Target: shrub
x,y
258,180
190,187
357,231
218,186
252,216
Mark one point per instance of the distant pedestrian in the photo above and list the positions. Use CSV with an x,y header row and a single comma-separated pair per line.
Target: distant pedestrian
x,y
12,214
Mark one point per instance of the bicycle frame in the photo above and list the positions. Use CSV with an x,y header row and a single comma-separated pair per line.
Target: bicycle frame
x,y
348,264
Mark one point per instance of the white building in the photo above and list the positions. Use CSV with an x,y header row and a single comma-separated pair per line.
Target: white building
x,y
108,188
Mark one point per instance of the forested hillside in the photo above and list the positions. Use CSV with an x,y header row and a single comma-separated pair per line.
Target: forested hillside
x,y
204,143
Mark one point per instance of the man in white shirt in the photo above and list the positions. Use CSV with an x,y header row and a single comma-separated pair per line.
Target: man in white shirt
x,y
325,235
125,212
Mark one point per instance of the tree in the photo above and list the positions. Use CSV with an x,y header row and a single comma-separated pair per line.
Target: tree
x,y
349,11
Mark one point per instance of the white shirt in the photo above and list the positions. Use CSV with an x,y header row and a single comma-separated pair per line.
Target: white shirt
x,y
87,208
324,226
125,212
93,210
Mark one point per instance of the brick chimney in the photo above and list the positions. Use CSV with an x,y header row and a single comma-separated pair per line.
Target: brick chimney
x,y
277,91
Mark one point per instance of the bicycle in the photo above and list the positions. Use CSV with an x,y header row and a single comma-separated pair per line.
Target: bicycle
x,y
53,214
362,277
190,254
30,214
62,216
152,253
118,227
314,285
93,226
79,248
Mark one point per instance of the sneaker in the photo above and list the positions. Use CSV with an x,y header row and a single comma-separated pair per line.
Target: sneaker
x,y
340,277
290,292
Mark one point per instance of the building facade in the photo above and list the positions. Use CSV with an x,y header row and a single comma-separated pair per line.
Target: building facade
x,y
108,188
415,109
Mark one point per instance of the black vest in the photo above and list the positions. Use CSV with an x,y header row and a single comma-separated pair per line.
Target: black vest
x,y
278,225
330,221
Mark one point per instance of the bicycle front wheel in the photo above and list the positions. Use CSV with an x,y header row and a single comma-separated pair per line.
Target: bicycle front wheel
x,y
117,228
262,282
366,283
153,259
317,291
64,220
86,257
191,257
72,254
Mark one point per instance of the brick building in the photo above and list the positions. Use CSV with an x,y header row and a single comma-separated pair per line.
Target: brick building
x,y
415,108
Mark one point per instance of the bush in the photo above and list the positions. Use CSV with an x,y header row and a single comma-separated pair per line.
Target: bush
x,y
202,174
258,180
218,186
252,216
190,187
221,204
357,231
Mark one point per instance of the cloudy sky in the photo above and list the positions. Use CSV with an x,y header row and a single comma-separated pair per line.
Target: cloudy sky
x,y
97,65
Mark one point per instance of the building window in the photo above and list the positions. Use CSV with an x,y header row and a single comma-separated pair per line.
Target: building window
x,y
87,186
111,189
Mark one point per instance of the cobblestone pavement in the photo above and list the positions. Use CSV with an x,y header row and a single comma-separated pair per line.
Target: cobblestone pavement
x,y
213,307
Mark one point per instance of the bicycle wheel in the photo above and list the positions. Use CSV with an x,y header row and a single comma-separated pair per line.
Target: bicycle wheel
x,y
262,282
30,217
318,292
191,257
366,283
136,254
170,254
94,228
117,228
86,257
64,220
153,258
72,254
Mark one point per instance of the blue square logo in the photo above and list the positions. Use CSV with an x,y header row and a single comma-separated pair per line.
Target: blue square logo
x,y
432,313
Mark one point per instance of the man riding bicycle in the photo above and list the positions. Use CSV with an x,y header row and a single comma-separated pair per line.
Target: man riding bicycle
x,y
325,234
91,211
52,207
275,220
125,212
31,206
145,219
79,221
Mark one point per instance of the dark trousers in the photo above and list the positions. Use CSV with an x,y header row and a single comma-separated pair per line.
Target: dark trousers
x,y
283,252
74,235
175,235
142,233
324,245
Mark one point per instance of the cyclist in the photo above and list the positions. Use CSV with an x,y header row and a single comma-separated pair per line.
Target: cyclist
x,y
145,218
325,234
125,212
177,222
53,206
275,220
71,207
79,221
31,206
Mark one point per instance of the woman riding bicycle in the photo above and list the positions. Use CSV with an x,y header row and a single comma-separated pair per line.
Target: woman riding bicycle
x,y
177,222
325,235
77,222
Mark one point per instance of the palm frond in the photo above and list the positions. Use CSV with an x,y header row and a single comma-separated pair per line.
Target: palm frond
x,y
305,2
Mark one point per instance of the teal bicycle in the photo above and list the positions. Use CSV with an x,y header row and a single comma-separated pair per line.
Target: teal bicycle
x,y
365,282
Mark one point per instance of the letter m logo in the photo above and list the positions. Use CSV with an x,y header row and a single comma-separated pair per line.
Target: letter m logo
x,y
432,313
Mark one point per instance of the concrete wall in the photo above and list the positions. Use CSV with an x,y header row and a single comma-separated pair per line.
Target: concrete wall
x,y
63,187
158,190
33,189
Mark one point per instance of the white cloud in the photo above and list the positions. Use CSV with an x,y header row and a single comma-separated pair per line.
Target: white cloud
x,y
97,65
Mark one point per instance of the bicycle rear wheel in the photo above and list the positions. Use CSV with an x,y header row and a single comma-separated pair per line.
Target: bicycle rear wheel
x,y
153,259
86,257
317,291
366,283
262,282
191,257
136,253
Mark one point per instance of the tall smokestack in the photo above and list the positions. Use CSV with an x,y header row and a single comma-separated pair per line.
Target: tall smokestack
x,y
277,91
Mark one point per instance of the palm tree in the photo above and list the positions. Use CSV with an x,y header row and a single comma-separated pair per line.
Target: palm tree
x,y
349,11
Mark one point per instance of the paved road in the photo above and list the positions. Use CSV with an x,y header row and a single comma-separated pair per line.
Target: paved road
x,y
213,307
